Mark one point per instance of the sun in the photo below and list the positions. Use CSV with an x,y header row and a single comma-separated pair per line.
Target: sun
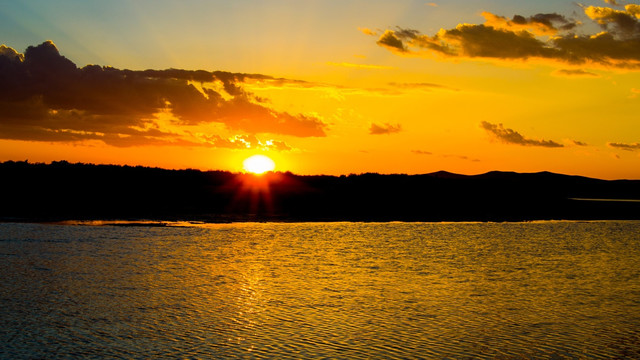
x,y
258,164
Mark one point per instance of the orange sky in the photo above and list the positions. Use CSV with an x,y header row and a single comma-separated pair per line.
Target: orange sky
x,y
324,88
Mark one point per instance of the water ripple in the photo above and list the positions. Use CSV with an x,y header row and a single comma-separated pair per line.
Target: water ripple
x,y
545,290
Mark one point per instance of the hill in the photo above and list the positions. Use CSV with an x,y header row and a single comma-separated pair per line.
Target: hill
x,y
62,191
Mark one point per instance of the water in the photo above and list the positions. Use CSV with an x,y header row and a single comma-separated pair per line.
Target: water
x,y
546,290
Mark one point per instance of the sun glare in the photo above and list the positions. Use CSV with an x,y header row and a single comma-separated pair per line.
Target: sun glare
x,y
258,164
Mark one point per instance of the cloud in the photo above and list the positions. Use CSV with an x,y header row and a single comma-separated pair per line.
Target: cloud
x,y
539,24
549,37
385,128
243,142
621,22
240,113
623,146
612,2
460,157
467,41
339,92
391,42
510,136
45,97
573,73
579,143
277,145
432,4
421,152
10,54
367,31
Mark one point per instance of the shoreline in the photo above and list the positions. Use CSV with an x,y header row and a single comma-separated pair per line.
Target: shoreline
x,y
190,223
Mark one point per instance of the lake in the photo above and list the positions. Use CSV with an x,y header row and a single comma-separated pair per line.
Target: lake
x,y
535,290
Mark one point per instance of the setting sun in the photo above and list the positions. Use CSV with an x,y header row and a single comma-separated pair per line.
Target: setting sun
x,y
258,164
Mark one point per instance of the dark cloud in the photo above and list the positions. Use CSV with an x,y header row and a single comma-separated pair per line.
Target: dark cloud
x,y
548,36
539,24
620,22
391,41
45,97
513,137
486,41
579,143
385,128
575,73
627,147
602,48
421,152
553,21
477,41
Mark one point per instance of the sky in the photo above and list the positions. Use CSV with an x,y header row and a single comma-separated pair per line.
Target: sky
x,y
325,87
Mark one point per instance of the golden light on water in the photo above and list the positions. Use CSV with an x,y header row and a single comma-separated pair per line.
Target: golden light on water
x,y
258,164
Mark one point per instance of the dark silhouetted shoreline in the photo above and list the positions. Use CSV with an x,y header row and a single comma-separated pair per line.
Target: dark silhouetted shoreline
x,y
63,191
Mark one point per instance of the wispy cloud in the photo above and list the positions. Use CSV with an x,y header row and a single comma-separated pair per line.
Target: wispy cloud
x,y
574,73
551,37
339,92
367,31
421,152
510,136
578,143
625,146
459,157
384,129
242,142
46,97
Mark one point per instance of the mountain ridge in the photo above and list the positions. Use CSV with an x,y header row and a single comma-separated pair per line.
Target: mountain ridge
x,y
64,191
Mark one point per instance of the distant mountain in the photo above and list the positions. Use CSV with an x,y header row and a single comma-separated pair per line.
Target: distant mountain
x,y
63,191
446,175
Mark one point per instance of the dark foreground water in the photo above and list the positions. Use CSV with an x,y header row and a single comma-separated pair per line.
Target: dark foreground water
x,y
547,290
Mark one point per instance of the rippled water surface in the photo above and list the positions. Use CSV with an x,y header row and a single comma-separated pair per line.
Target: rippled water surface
x,y
549,290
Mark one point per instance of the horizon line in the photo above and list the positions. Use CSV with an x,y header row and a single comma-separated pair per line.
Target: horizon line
x,y
53,162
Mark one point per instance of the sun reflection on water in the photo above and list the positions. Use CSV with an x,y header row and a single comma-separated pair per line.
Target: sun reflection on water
x,y
333,290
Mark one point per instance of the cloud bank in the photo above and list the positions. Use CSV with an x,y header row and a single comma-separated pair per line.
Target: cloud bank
x,y
510,136
550,37
45,97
